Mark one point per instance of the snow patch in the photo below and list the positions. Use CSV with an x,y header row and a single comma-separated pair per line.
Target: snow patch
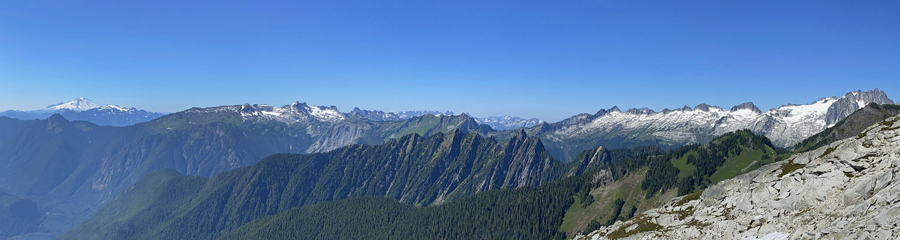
x,y
799,113
326,114
116,107
290,113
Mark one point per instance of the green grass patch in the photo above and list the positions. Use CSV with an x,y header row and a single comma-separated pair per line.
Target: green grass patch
x,y
684,168
569,219
688,198
789,167
827,151
861,135
643,225
740,164
421,127
601,210
888,123
682,214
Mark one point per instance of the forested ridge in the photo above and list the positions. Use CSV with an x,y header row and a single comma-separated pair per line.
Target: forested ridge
x,y
412,169
524,213
705,160
333,195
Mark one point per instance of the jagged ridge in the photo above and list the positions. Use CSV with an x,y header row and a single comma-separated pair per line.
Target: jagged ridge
x,y
613,128
411,169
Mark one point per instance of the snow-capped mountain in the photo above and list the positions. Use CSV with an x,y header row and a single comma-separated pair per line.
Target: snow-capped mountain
x,y
292,113
79,105
374,115
303,112
83,109
507,122
377,115
411,114
497,123
785,125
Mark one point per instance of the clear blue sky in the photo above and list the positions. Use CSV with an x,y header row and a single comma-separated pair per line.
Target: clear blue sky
x,y
545,59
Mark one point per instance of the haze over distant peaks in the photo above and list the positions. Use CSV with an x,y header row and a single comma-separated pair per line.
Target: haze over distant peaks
x,y
496,122
378,115
80,104
508,122
84,109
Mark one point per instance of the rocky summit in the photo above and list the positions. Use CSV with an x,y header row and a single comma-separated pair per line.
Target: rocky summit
x,y
848,189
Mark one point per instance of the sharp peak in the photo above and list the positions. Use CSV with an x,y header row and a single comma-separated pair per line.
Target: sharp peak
x,y
746,105
520,132
356,115
858,92
642,110
875,90
705,107
57,117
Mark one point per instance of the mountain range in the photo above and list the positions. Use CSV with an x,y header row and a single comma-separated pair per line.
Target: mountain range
x,y
82,109
496,122
719,181
273,197
411,169
614,128
84,165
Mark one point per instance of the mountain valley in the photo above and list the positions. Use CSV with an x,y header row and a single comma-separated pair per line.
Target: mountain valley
x,y
88,165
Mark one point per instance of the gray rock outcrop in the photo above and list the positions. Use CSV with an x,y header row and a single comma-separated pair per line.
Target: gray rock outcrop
x,y
848,189
853,101
746,105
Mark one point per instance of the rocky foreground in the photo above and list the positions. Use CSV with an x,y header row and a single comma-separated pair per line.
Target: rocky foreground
x,y
846,190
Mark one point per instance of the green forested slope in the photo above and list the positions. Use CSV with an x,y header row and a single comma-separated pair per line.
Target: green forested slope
x,y
69,168
290,196
413,169
649,178
17,215
523,213
598,197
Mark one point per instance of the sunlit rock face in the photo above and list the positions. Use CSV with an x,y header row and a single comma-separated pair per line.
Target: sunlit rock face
x,y
846,190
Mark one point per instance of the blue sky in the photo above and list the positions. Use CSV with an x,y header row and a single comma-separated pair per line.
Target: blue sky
x,y
545,59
